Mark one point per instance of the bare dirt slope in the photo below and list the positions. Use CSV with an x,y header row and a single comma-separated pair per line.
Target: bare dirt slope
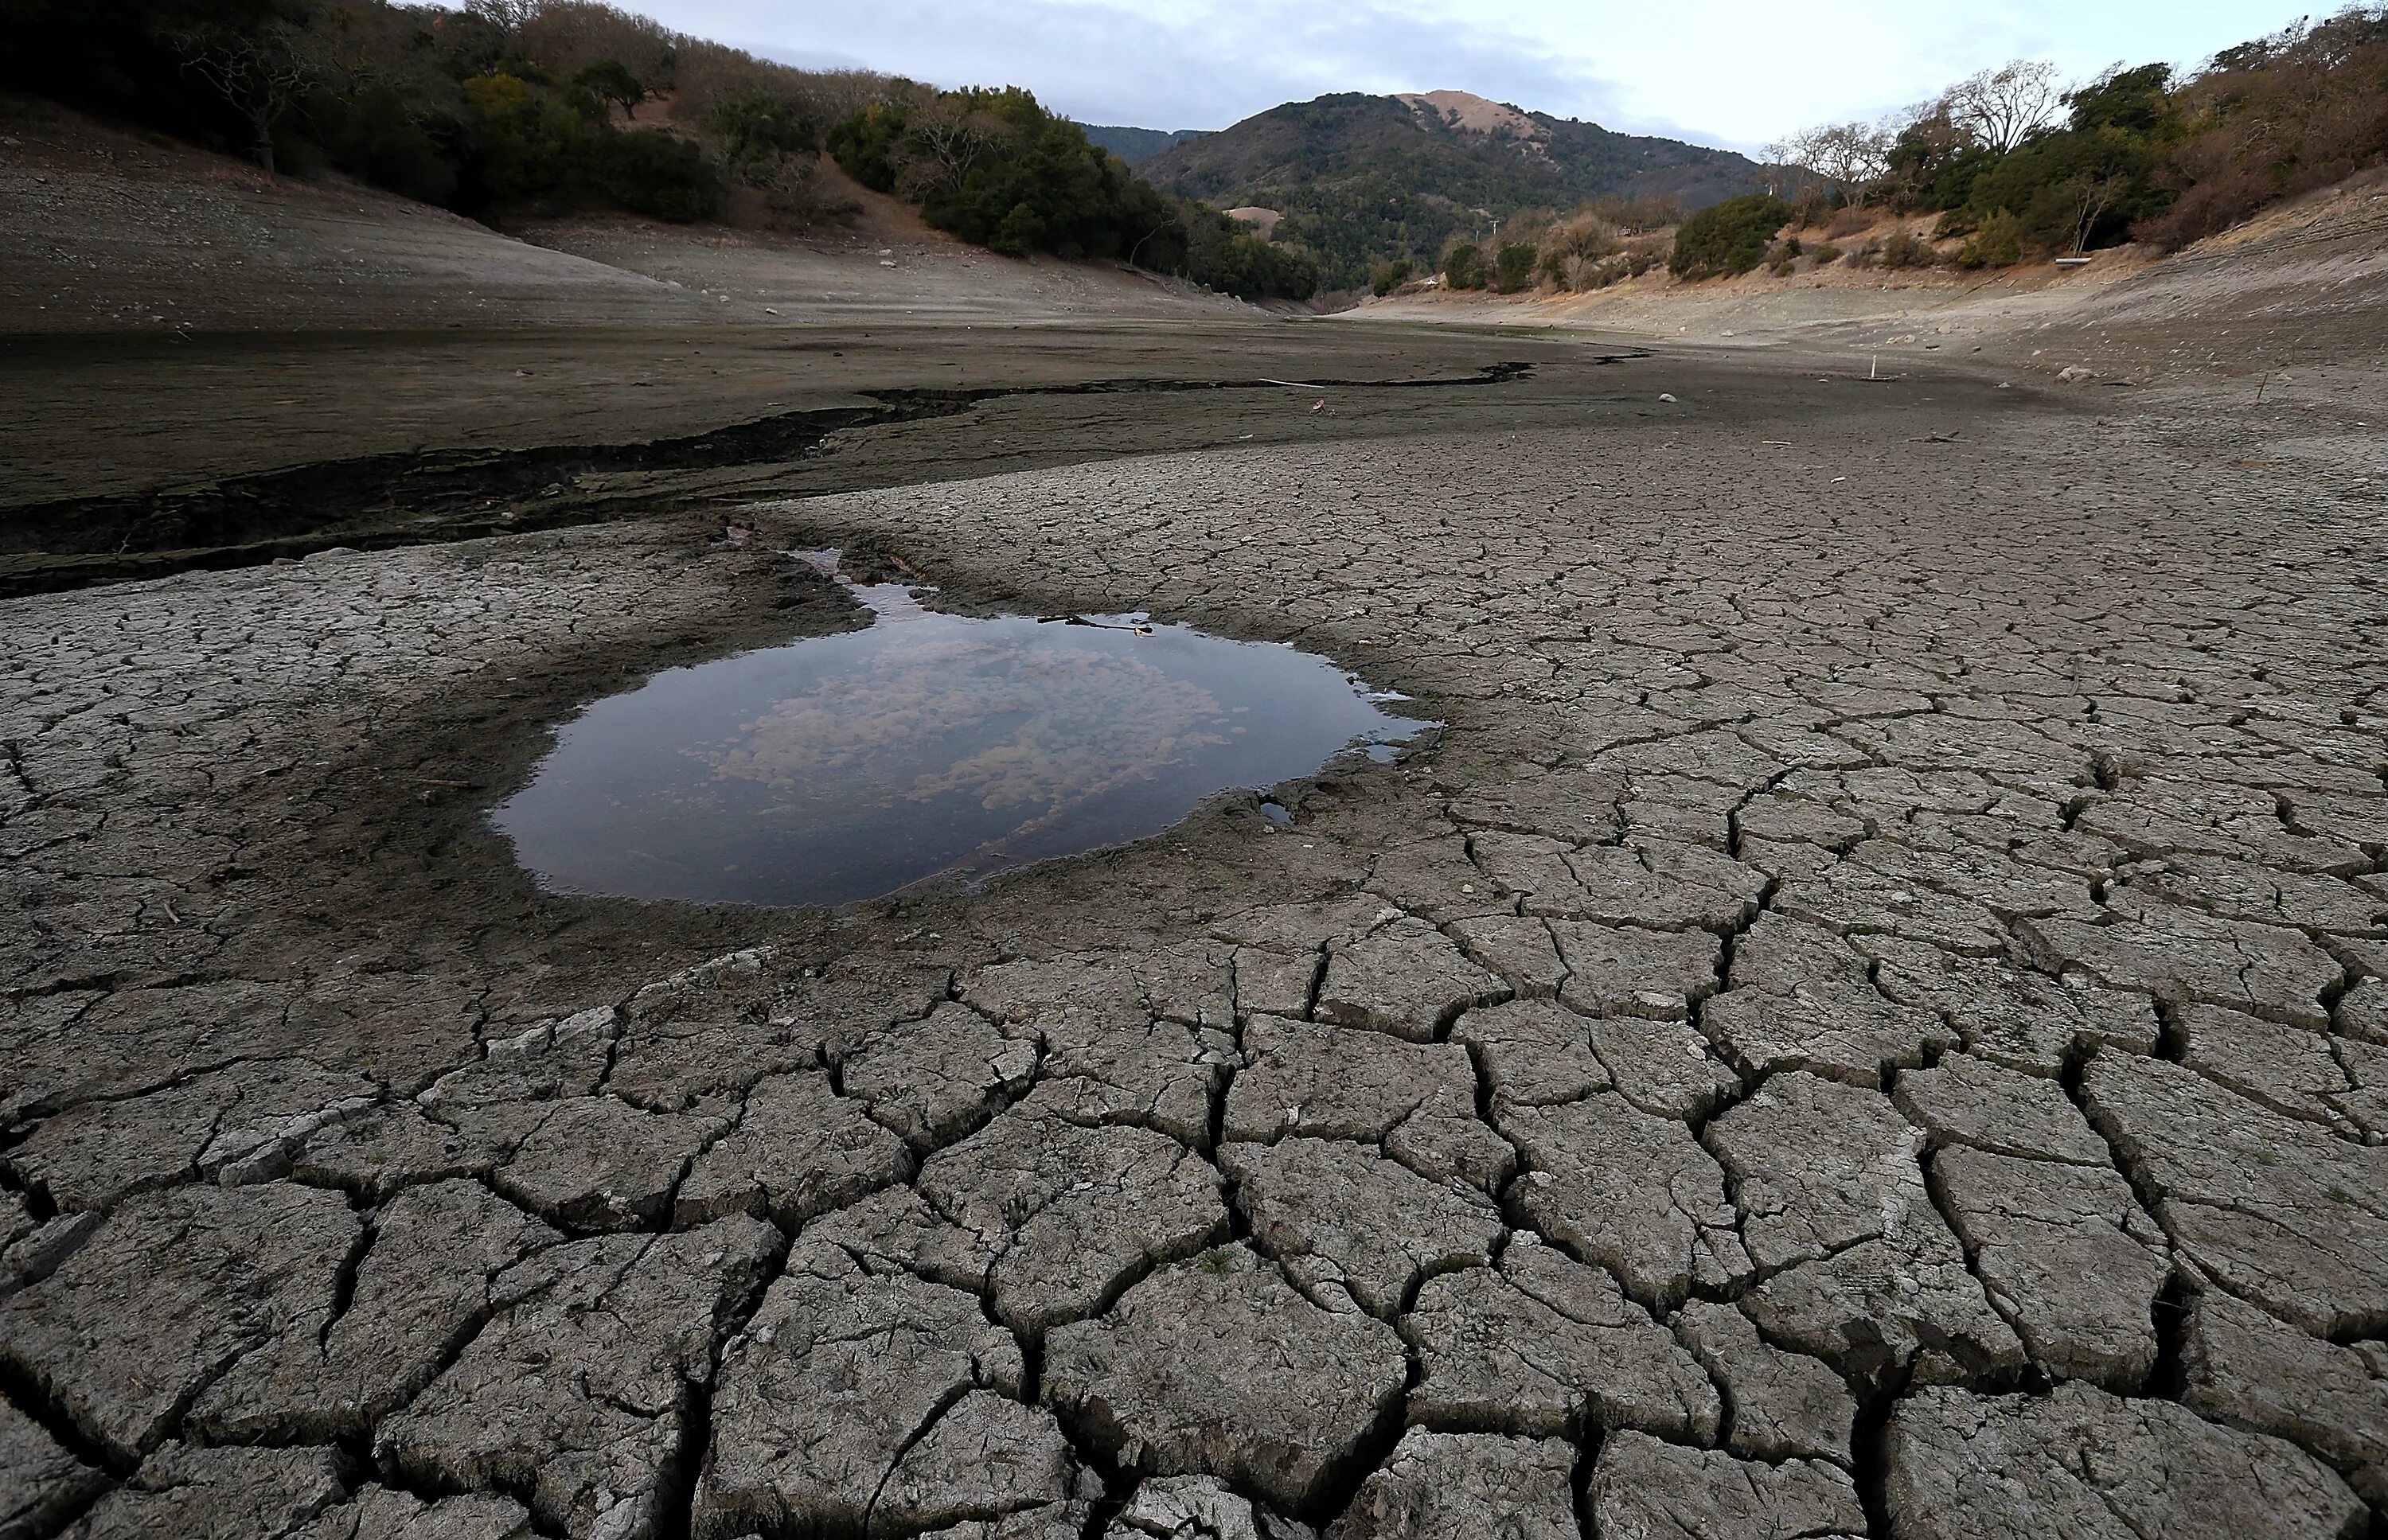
x,y
109,232
916,274
2307,284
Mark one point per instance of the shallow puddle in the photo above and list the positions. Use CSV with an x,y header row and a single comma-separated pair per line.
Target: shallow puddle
x,y
927,747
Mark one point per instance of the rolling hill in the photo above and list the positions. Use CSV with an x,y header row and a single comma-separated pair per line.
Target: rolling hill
x,y
1133,145
1361,177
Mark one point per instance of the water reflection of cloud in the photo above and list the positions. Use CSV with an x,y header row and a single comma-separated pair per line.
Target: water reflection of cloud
x,y
1010,722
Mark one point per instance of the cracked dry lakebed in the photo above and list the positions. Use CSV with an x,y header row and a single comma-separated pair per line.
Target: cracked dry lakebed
x,y
1868,1018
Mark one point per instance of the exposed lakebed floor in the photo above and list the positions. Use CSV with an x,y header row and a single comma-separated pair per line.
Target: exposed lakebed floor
x,y
1873,1020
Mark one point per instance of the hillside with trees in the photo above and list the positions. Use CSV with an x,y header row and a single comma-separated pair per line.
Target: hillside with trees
x,y
2013,163
509,108
998,170
1363,179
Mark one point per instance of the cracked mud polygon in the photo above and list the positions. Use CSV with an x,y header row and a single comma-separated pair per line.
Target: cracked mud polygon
x,y
1870,1019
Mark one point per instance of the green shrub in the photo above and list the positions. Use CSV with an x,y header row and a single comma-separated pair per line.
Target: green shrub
x,y
1728,238
759,127
610,82
1463,266
1997,243
651,171
1389,276
1826,254
377,138
524,144
1903,249
1204,245
1513,267
869,144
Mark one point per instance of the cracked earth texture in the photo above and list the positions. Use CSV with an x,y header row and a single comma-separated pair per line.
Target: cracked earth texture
x,y
1872,1021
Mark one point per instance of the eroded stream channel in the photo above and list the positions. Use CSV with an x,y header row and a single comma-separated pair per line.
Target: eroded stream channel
x,y
925,747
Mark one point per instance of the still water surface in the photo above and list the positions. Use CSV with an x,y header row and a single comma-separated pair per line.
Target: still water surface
x,y
927,747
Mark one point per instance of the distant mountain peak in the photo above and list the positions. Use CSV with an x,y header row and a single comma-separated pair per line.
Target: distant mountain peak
x,y
1361,179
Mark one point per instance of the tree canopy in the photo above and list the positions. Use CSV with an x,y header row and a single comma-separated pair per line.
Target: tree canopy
x,y
994,168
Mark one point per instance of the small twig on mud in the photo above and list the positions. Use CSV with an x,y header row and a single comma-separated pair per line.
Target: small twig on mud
x,y
452,785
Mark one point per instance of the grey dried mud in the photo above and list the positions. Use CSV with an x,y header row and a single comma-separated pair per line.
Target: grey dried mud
x,y
1868,1023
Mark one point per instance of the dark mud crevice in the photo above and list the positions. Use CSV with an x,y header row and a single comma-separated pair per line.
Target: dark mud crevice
x,y
21,1389
1870,1448
437,496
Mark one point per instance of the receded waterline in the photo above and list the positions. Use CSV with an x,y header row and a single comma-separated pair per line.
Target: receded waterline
x,y
924,747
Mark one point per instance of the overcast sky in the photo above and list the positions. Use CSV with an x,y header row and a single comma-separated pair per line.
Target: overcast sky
x,y
1734,72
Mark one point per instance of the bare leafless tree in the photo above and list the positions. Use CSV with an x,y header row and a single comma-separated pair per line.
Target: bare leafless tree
x,y
261,72
2003,107
946,139
2090,196
347,48
1848,159
568,36
510,16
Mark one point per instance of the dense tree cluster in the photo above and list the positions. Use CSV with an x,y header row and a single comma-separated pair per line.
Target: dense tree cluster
x,y
1728,238
504,104
997,169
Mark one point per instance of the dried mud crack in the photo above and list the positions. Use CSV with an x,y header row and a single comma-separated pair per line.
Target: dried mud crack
x,y
1872,1021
